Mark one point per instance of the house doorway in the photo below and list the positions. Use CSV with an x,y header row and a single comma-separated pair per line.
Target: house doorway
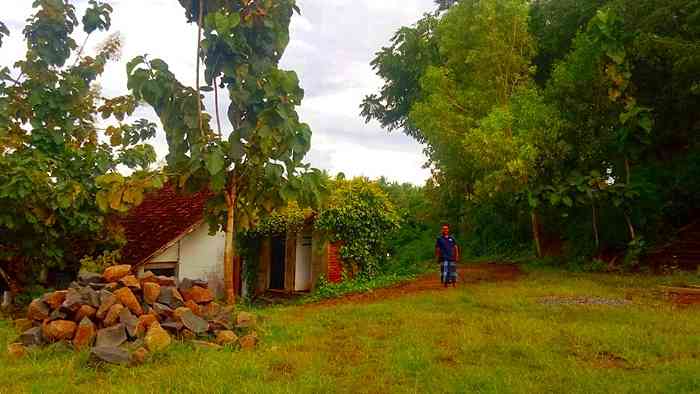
x,y
277,262
302,276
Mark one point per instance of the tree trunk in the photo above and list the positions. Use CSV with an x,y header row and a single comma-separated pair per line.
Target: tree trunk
x,y
199,48
216,104
630,226
536,232
230,264
8,281
595,228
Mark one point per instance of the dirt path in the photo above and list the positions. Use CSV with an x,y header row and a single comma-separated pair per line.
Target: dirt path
x,y
469,273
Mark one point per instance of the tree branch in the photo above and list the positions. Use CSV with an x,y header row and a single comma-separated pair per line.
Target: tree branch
x,y
199,48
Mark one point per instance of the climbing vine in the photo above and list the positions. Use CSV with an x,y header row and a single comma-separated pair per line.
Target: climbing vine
x,y
359,215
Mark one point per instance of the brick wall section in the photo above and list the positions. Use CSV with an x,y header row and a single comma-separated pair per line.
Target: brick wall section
x,y
335,265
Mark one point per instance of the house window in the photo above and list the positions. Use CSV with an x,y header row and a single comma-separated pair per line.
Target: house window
x,y
163,269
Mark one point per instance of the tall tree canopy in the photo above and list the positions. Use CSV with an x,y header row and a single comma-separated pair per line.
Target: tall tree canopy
x,y
55,165
565,110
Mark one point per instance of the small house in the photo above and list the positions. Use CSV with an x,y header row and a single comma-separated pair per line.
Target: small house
x,y
167,235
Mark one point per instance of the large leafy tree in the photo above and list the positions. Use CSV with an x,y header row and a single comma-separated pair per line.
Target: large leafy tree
x,y
555,24
54,161
402,65
257,165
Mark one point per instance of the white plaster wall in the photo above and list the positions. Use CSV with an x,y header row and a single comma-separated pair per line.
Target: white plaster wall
x,y
171,255
202,257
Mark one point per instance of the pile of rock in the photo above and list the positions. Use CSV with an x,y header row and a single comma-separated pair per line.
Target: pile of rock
x,y
123,317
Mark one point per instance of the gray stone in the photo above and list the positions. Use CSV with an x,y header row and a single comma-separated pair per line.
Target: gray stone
x,y
245,320
168,297
90,296
200,283
111,336
97,286
129,321
174,326
220,325
106,295
194,323
32,337
107,300
186,284
74,300
166,281
89,277
58,315
111,355
162,310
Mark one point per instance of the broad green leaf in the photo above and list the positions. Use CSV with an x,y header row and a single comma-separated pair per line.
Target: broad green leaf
x,y
215,162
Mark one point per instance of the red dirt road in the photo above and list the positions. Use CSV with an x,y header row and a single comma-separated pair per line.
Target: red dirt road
x,y
469,273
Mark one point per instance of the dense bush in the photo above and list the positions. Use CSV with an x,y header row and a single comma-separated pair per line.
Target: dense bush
x,y
360,216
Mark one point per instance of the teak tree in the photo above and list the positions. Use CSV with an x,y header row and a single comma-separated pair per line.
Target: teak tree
x,y
258,165
54,165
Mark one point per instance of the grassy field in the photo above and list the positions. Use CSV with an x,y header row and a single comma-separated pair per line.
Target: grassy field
x,y
486,337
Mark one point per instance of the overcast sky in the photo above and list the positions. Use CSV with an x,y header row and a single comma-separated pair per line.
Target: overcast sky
x,y
332,44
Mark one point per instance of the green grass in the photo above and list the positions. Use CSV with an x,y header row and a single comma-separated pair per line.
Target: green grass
x,y
483,338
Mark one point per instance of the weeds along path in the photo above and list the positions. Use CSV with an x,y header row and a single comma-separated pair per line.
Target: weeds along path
x,y
468,273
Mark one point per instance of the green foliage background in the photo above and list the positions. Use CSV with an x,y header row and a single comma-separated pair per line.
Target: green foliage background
x,y
571,122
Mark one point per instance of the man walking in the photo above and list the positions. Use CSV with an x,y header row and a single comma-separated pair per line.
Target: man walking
x,y
447,253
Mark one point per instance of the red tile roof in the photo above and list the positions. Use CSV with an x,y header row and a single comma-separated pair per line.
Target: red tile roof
x,y
163,217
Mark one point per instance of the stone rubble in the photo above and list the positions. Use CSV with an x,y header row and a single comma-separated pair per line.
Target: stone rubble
x,y
123,317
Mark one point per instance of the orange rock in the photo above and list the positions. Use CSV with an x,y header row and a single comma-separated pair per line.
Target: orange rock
x,y
147,277
226,337
112,317
130,281
55,299
108,301
245,320
177,295
180,311
84,335
248,342
210,310
145,321
114,273
187,335
16,350
157,338
198,294
128,299
22,325
151,291
38,310
59,330
193,307
85,311
139,356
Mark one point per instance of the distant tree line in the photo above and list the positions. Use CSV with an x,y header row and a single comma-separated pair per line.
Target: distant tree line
x,y
561,125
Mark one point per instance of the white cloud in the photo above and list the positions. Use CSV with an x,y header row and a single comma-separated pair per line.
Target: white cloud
x,y
332,44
